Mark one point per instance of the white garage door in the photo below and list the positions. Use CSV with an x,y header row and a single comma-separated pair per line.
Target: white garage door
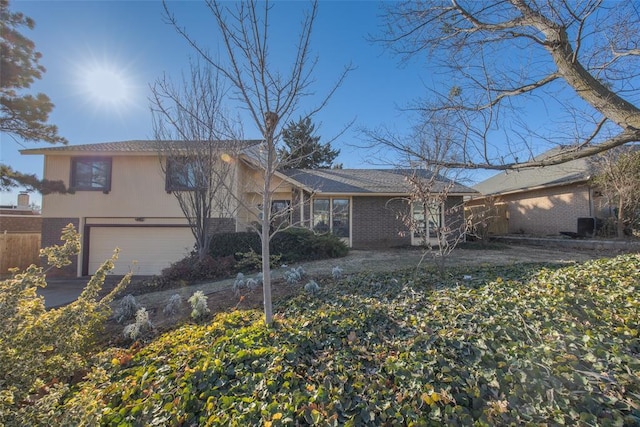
x,y
144,250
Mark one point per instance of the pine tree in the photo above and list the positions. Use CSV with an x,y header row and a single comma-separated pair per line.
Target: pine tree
x,y
22,115
303,148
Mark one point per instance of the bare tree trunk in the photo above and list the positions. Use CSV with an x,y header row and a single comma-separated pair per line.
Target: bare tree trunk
x,y
620,225
266,219
270,93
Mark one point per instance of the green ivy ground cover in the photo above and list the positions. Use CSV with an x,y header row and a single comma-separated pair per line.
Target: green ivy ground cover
x,y
517,345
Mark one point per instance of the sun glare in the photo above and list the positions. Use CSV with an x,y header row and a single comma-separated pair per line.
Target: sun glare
x,y
106,86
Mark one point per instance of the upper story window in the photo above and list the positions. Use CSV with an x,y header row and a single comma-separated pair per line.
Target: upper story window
x,y
181,174
91,174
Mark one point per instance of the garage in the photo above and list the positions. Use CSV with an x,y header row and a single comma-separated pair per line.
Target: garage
x,y
143,250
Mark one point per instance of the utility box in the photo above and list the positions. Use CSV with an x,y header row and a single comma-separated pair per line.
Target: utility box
x,y
586,227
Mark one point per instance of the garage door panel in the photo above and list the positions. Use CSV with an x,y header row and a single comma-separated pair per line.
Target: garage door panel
x,y
143,250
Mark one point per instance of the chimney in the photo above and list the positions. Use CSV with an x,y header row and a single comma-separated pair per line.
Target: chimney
x,y
23,201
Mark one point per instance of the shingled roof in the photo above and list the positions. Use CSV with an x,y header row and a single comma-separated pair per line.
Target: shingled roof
x,y
575,171
134,146
367,181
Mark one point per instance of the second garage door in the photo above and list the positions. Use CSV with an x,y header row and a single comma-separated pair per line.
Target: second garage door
x,y
143,250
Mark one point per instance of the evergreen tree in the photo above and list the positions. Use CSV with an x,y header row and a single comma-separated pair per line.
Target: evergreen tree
x,y
303,149
22,115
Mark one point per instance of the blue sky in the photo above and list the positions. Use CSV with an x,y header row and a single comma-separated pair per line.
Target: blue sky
x,y
101,57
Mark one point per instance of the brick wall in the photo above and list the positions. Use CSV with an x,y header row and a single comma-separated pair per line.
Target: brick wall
x,y
454,215
375,225
548,211
20,223
222,225
51,231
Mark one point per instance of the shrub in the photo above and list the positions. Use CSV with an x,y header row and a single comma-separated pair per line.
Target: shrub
x,y
199,308
192,269
312,287
238,284
127,308
329,246
292,245
141,328
232,244
173,306
336,272
252,284
39,346
292,276
252,261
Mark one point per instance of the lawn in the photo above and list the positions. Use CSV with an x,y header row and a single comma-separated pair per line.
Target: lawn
x,y
520,344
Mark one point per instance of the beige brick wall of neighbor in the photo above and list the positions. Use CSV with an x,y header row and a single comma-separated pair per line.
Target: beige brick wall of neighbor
x,y
548,211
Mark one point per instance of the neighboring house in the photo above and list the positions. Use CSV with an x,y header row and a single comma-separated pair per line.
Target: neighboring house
x,y
546,200
20,227
123,199
20,218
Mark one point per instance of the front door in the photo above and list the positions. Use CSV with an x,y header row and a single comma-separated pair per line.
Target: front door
x,y
426,220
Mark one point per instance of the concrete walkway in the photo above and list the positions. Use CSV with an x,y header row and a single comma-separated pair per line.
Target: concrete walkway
x,y
64,291
60,292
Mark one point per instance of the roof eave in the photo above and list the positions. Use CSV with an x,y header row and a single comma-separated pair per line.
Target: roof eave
x,y
535,188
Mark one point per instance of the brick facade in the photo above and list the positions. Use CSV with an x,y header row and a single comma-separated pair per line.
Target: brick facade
x,y
454,214
548,211
222,225
375,223
297,204
51,231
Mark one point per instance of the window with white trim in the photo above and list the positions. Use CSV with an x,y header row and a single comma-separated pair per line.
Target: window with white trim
x,y
332,215
427,218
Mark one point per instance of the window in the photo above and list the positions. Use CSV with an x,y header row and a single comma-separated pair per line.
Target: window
x,y
91,174
181,174
340,217
280,213
331,215
426,219
321,221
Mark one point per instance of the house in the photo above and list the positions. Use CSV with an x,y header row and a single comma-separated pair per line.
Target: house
x,y
367,206
122,198
546,200
20,218
20,226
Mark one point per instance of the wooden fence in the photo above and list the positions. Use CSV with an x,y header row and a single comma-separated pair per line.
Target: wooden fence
x,y
18,250
496,217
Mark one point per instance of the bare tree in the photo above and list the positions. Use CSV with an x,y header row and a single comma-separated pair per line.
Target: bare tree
x,y
436,213
517,76
618,178
197,145
271,94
